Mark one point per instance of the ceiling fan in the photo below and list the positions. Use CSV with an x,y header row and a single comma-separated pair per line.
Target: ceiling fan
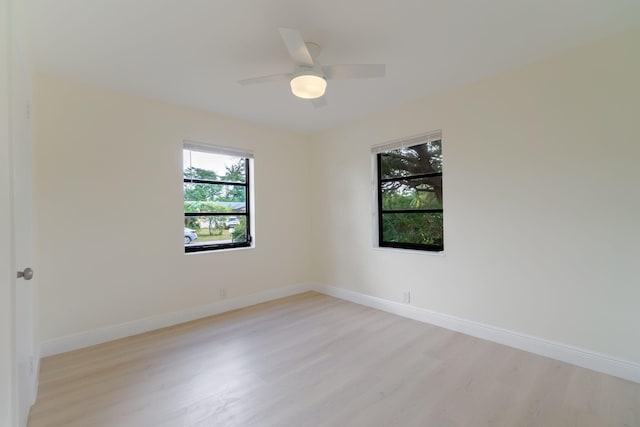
x,y
309,78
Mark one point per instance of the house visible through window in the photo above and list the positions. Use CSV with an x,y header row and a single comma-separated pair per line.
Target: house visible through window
x,y
409,190
217,212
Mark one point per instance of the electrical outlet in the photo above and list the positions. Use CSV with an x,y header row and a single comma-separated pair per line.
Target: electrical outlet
x,y
406,297
31,365
223,293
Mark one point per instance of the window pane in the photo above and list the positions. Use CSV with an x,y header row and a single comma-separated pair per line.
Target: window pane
x,y
239,230
421,193
214,198
214,229
214,167
415,160
412,228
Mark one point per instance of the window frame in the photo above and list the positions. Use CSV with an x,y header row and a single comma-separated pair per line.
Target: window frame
x,y
226,151
379,151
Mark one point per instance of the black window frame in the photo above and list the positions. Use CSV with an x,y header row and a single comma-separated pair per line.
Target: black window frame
x,y
381,211
246,214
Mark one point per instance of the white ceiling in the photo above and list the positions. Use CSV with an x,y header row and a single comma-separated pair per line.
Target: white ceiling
x,y
192,52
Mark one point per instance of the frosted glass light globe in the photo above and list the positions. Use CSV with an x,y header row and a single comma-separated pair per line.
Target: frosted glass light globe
x,y
308,86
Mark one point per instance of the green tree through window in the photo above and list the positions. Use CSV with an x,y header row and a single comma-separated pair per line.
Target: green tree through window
x,y
216,198
410,207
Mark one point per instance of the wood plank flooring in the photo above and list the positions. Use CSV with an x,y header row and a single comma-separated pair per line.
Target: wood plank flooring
x,y
313,360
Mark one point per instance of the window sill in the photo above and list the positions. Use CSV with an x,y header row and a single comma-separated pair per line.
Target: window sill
x,y
410,251
244,248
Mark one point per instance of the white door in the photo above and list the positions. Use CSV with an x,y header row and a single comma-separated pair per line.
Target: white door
x,y
7,278
21,145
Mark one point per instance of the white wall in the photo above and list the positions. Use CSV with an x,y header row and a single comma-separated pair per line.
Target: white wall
x,y
109,194
541,201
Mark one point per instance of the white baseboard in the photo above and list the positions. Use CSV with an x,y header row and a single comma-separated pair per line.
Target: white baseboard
x,y
110,333
555,350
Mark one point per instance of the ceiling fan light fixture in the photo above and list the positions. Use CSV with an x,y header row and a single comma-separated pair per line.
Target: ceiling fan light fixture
x,y
308,86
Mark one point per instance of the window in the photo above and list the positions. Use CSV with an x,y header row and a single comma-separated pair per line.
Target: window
x,y
409,191
217,212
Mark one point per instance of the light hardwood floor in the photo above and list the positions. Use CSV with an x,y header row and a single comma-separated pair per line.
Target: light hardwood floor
x,y
313,360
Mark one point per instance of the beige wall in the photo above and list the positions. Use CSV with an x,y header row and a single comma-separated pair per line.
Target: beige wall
x,y
541,205
542,208
109,199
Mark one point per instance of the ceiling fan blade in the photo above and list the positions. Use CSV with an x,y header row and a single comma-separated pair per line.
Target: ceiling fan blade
x,y
319,102
354,71
266,79
296,46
